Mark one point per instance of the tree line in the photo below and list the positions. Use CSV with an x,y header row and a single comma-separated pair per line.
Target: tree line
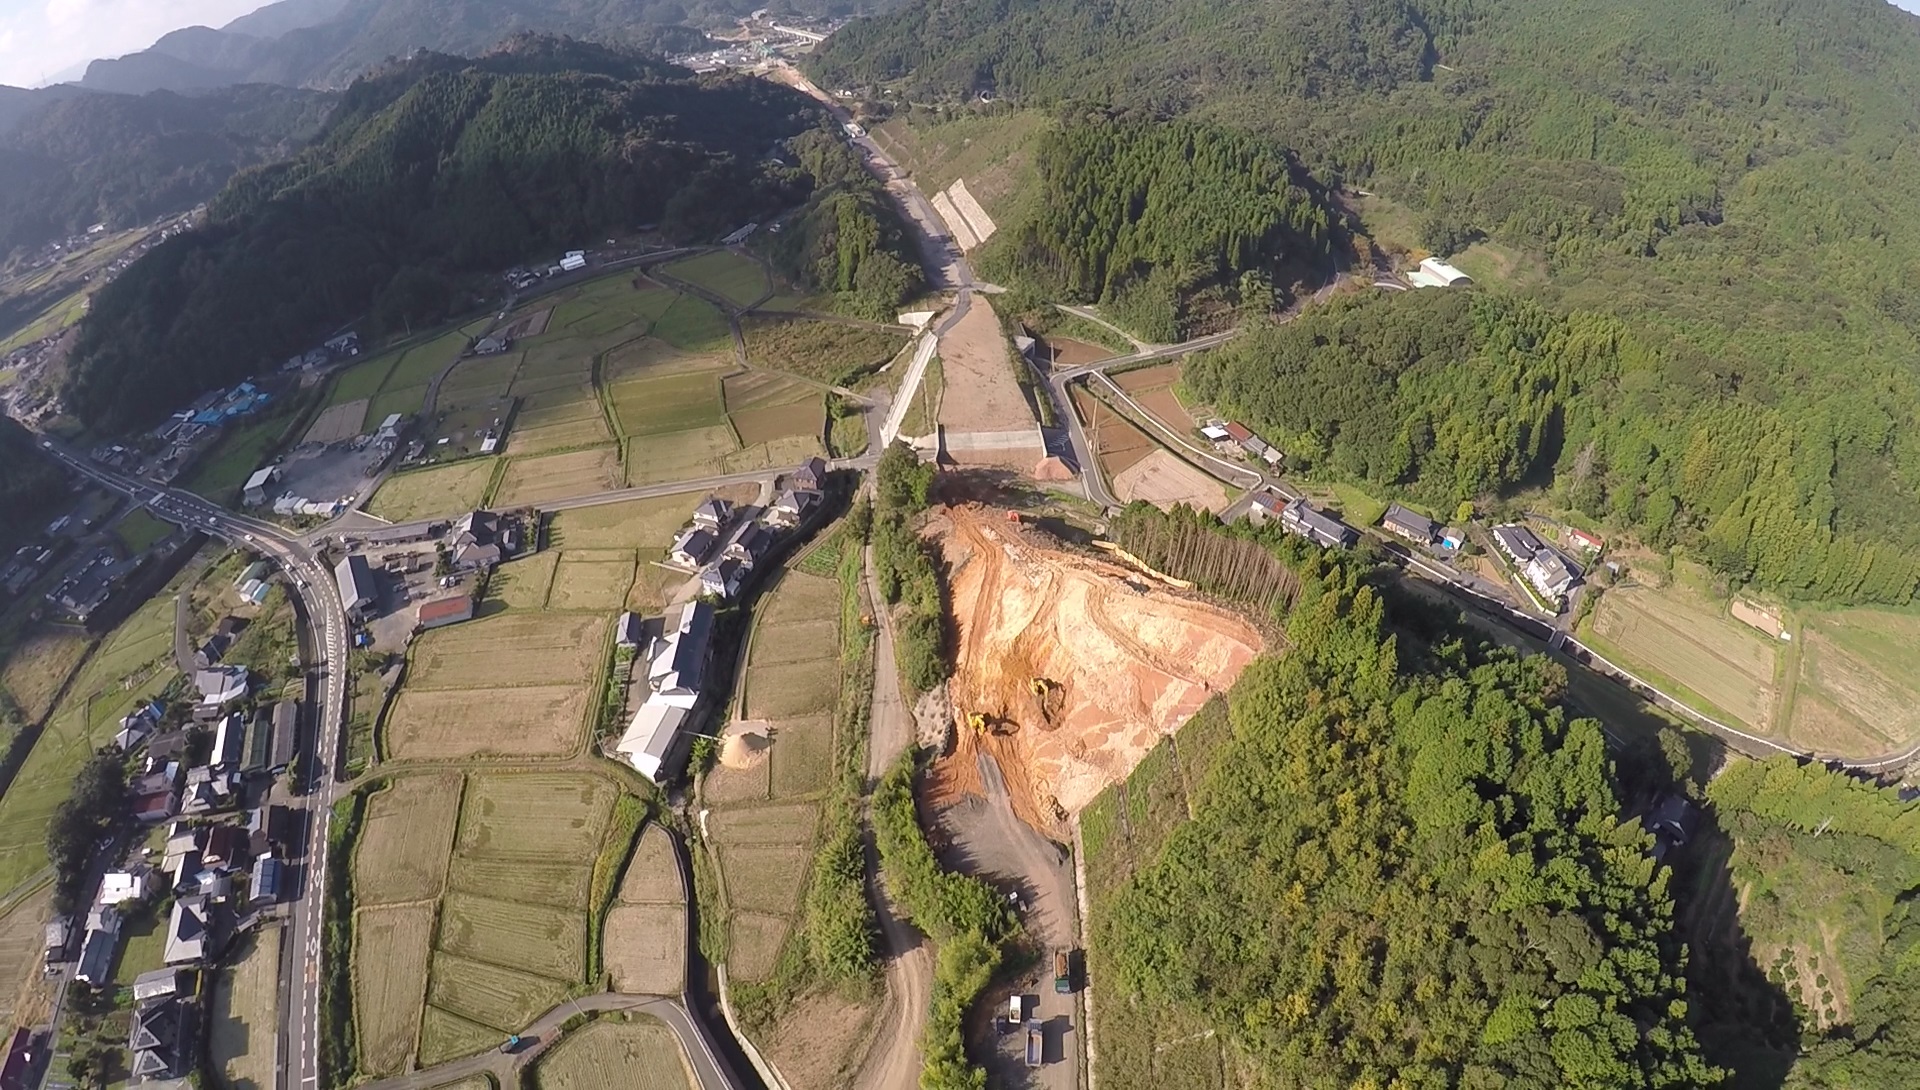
x,y
905,569
1820,854
1712,205
964,917
428,179
32,487
1447,397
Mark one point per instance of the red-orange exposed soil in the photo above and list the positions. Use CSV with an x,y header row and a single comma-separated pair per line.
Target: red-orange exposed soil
x,y
1120,664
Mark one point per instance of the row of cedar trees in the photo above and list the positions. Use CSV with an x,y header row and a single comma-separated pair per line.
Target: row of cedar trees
x,y
1185,546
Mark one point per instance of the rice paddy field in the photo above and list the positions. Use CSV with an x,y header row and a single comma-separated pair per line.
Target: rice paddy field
x,y
761,795
617,1053
404,840
592,580
740,279
1857,691
1684,642
460,724
434,492
558,476
472,892
509,650
244,1012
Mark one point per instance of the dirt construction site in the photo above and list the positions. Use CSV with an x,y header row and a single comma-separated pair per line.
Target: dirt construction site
x,y
1069,669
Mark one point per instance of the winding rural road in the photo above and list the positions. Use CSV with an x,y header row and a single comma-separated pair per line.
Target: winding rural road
x,y
893,1063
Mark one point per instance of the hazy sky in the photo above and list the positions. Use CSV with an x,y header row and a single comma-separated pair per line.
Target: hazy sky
x,y
39,38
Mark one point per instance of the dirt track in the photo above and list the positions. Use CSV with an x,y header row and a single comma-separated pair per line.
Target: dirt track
x,y
1123,664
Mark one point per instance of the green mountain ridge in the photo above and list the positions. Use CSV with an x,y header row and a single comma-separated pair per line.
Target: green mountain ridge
x,y
1734,183
430,176
123,160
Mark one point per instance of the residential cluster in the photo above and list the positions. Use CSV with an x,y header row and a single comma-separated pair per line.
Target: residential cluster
x,y
27,398
454,552
89,562
666,657
344,346
1544,567
723,543
205,774
674,676
1229,437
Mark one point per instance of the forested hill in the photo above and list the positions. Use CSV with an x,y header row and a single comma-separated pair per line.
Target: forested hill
x,y
1403,867
123,160
430,177
1734,183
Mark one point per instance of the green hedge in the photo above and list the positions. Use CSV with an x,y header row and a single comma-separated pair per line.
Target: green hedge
x,y
964,917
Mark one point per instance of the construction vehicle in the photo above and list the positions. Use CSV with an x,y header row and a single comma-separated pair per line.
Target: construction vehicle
x,y
1040,686
1014,1013
977,722
1036,1043
1062,972
511,1045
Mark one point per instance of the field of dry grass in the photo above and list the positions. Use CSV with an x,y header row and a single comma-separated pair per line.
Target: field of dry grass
x,y
404,840
535,815
39,665
645,947
523,584
432,493
245,1013
559,476
389,980
1857,690
591,581
1680,637
457,724
509,650
616,1054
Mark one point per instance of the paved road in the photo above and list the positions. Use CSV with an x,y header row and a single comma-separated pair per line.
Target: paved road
x,y
545,1031
326,645
893,1063
1015,856
762,477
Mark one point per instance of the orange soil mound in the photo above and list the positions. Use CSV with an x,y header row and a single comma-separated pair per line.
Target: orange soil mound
x,y
1124,664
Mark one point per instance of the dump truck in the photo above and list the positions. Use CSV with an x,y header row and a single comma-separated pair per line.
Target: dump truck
x,y
1036,1043
1062,973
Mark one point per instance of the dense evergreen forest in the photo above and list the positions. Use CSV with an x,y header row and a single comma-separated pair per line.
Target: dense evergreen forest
x,y
848,239
1724,197
1457,396
1407,868
1166,224
123,160
428,175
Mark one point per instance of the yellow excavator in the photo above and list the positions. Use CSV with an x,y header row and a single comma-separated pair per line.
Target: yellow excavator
x,y
1040,686
977,722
